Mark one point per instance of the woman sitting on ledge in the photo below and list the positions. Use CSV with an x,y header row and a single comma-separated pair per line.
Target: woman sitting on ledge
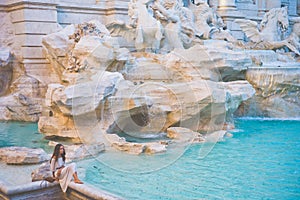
x,y
61,172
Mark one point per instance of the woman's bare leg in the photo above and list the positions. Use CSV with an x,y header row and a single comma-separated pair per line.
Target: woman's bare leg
x,y
76,179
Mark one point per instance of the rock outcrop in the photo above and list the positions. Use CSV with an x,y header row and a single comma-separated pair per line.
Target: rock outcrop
x,y
277,92
134,147
24,102
276,82
41,172
20,94
138,93
22,155
180,88
6,70
184,135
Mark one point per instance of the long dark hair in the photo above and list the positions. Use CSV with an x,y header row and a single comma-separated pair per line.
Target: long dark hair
x,y
56,153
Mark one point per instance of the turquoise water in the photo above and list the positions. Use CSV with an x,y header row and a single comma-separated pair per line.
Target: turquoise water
x,y
21,134
261,161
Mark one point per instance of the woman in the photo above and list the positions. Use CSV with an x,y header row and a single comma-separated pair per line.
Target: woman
x,y
60,171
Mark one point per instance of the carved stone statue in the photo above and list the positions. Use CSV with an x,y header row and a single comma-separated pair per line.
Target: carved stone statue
x,y
269,34
166,24
177,21
133,13
208,23
144,29
271,28
294,37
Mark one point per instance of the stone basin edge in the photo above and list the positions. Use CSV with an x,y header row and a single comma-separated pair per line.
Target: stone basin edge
x,y
84,191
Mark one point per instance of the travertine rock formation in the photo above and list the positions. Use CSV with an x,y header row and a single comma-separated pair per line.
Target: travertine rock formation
x,y
6,70
137,93
22,155
277,91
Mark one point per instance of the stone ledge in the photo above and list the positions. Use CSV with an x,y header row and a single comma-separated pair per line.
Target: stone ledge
x,y
45,190
85,191
14,190
16,3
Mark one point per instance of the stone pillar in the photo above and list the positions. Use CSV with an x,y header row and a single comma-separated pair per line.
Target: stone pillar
x,y
273,4
228,11
266,5
248,7
31,21
117,10
261,4
292,7
227,4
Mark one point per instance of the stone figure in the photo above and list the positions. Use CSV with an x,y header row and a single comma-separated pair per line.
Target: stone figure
x,y
166,24
273,25
269,34
294,37
177,21
208,23
133,13
144,29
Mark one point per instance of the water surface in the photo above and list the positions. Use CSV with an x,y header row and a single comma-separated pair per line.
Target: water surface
x,y
22,134
261,161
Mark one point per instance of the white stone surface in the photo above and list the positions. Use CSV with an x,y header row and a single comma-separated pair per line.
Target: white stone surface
x,y
22,155
277,91
180,134
41,172
38,15
135,148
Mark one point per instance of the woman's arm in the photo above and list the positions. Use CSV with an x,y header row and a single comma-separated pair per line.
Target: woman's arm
x,y
52,166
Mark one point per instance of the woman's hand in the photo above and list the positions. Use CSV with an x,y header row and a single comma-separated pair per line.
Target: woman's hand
x,y
59,172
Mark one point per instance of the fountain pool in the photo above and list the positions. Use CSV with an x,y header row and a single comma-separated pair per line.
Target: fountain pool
x,y
261,161
22,134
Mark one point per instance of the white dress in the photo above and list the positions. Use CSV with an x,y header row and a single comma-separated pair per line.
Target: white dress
x,y
66,173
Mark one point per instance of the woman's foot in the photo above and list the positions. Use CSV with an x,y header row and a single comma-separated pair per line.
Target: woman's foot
x,y
78,181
